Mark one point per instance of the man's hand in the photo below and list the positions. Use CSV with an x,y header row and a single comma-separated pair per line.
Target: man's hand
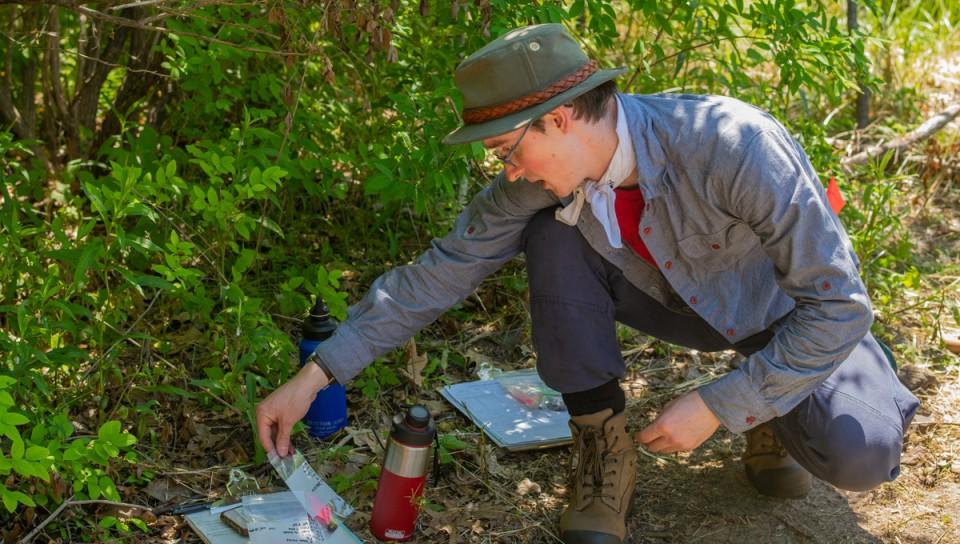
x,y
277,414
684,424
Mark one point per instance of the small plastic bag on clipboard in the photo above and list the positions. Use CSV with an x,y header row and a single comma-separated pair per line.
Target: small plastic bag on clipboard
x,y
528,389
279,518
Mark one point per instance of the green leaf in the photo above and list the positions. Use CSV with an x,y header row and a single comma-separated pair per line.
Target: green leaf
x,y
108,489
11,498
13,418
87,259
109,430
146,280
170,390
376,184
242,263
16,443
27,469
23,467
93,487
37,453
755,55
445,456
272,175
269,224
76,451
453,443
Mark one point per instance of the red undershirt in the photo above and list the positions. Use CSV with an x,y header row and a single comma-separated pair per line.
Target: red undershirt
x,y
629,210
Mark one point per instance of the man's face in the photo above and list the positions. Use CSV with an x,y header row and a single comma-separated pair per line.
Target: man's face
x,y
551,157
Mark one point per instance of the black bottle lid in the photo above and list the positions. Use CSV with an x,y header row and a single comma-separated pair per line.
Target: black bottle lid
x,y
318,325
415,427
418,417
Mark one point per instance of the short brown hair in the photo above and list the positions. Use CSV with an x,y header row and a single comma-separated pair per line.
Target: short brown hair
x,y
590,105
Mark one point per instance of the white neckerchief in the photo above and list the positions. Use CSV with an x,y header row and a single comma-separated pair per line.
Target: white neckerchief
x,y
601,193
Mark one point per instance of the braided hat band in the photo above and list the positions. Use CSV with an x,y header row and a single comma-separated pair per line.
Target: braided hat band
x,y
520,76
472,116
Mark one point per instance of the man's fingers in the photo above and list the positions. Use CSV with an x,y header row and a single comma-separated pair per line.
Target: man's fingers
x,y
647,435
283,438
265,430
661,445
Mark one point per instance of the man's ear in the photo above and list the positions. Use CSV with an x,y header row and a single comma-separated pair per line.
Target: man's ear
x,y
560,118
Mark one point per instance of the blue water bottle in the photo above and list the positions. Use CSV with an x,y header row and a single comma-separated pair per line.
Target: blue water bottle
x,y
328,412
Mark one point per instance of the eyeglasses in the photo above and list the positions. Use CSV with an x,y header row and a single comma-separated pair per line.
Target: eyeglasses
x,y
505,159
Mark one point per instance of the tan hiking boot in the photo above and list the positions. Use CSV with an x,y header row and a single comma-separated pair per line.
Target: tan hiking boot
x,y
603,480
772,470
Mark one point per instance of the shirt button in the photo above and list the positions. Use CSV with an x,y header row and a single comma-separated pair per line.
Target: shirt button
x,y
730,332
647,231
693,300
668,265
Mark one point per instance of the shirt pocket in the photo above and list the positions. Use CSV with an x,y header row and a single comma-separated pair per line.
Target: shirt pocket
x,y
719,250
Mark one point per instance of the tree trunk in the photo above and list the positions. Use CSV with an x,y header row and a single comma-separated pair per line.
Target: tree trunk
x,y
863,98
87,96
137,84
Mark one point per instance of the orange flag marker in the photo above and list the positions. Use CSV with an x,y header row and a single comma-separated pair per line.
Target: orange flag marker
x,y
834,197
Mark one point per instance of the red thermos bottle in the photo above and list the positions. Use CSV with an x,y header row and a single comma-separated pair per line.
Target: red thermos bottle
x,y
403,475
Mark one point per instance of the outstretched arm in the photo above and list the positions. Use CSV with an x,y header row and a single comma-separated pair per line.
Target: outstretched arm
x,y
405,299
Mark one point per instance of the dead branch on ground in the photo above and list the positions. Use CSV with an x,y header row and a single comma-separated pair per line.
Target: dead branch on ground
x,y
924,131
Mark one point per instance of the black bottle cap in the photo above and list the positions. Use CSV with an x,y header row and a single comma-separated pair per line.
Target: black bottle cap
x,y
418,417
415,428
319,325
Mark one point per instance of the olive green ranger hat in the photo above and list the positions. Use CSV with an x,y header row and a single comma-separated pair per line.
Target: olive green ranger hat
x,y
520,76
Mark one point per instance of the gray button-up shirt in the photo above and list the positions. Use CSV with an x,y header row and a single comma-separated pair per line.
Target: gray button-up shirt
x,y
737,220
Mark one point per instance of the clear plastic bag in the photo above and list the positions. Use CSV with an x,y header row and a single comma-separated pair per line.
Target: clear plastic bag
x,y
527,388
279,518
486,371
307,484
241,484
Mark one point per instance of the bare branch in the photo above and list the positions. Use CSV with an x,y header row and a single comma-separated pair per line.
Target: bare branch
x,y
167,12
140,4
127,68
924,131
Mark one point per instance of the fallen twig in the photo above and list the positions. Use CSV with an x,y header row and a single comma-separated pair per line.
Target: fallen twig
x,y
70,502
924,131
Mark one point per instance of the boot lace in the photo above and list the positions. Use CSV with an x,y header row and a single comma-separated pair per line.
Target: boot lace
x,y
763,441
597,469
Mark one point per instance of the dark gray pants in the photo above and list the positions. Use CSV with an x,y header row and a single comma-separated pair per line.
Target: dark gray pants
x,y
849,431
